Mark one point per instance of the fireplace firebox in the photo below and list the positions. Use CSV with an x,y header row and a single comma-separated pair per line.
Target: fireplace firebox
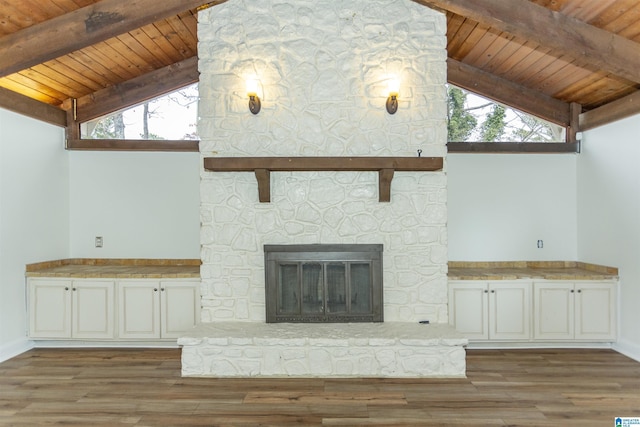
x,y
333,283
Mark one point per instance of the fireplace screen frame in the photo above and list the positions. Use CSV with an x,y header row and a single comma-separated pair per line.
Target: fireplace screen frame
x,y
326,256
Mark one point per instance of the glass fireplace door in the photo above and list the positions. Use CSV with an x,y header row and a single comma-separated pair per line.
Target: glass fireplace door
x,y
312,289
342,287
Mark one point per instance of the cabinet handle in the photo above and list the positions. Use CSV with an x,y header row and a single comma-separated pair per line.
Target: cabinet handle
x,y
572,291
74,289
493,291
66,288
162,289
486,291
155,289
579,291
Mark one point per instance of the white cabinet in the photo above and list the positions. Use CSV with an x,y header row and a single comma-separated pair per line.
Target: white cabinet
x,y
95,309
179,307
49,308
540,311
469,308
157,309
491,310
71,309
139,309
575,311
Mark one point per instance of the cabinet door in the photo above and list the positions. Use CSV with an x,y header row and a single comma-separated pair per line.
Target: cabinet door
x,y
595,311
509,311
49,308
553,311
93,309
139,309
180,302
468,308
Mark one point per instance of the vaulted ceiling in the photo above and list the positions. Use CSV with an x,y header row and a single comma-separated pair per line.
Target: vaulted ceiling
x,y
573,62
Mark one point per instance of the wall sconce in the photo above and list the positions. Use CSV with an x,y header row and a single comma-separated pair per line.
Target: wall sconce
x,y
252,93
392,100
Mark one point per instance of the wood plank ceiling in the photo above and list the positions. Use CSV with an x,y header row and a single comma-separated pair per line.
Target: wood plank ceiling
x,y
541,56
100,65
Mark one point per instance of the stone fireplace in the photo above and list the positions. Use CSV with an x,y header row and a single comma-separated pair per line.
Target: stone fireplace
x,y
323,69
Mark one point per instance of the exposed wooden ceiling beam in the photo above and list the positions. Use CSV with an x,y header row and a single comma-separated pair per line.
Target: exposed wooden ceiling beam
x,y
133,145
136,90
616,110
507,92
571,37
84,27
513,147
29,107
574,122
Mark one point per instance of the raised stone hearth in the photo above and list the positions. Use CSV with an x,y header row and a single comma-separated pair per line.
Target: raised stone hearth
x,y
391,349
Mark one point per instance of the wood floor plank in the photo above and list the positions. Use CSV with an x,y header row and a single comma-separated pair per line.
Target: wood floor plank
x,y
143,387
333,398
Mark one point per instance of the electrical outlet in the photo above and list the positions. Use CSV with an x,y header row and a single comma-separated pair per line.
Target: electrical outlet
x,y
540,244
98,241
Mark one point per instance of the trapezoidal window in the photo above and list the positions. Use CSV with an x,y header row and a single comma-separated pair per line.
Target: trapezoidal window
x,y
473,118
172,116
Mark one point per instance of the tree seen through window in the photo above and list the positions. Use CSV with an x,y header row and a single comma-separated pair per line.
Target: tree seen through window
x,y
172,117
472,118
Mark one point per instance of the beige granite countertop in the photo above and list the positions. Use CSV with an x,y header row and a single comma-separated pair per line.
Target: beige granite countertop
x,y
513,270
190,268
118,268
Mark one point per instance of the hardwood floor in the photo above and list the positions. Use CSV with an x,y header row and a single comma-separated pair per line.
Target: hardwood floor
x,y
143,387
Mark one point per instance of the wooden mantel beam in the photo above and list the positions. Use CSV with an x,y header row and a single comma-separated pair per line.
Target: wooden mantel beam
x,y
586,43
83,27
508,93
263,166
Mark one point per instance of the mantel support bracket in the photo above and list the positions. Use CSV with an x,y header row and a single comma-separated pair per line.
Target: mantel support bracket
x,y
264,185
384,184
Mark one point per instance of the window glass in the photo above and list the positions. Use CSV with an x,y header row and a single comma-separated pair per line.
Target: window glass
x,y
172,117
472,118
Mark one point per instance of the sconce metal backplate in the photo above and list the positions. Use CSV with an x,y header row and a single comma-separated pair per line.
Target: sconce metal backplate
x,y
392,104
254,104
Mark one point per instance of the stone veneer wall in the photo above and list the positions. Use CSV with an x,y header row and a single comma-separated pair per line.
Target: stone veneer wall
x,y
323,68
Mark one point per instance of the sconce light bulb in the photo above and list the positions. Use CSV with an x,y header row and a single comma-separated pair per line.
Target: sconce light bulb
x,y
394,86
392,100
252,87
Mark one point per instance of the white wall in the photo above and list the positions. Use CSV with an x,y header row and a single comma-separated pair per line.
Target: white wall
x,y
144,205
609,215
34,214
500,205
54,202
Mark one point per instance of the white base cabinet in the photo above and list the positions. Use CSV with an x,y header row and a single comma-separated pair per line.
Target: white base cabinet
x,y
490,310
49,308
179,307
540,311
71,309
157,309
112,310
581,311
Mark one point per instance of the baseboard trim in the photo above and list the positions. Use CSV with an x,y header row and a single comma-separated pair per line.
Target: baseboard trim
x,y
496,345
14,348
103,344
628,348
